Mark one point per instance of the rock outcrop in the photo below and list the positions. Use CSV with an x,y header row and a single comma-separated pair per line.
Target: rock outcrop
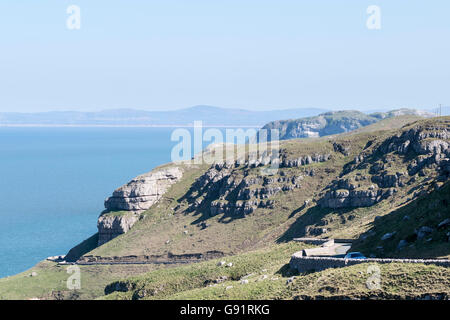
x,y
336,199
143,191
282,160
111,226
330,123
392,164
233,189
135,197
302,161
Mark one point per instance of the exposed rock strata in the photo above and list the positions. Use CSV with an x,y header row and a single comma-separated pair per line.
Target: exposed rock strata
x,y
355,198
143,191
328,123
424,147
110,226
233,190
136,196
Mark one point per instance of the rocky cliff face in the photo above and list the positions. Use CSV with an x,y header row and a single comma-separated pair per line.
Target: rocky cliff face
x,y
332,123
355,198
239,188
377,173
143,191
110,226
133,198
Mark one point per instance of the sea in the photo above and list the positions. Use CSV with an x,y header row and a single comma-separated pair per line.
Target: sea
x,y
54,180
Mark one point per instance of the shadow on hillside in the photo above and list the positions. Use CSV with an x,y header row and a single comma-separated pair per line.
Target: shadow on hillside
x,y
211,193
82,248
311,218
427,210
293,213
204,216
286,271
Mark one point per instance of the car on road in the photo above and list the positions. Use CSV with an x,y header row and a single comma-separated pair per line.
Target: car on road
x,y
354,255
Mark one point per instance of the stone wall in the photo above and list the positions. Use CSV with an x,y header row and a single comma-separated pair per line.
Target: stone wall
x,y
151,259
314,241
306,264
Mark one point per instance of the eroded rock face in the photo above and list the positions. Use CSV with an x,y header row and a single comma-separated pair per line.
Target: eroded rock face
x,y
321,125
422,140
143,191
336,199
420,148
302,161
110,226
282,160
390,180
229,189
136,196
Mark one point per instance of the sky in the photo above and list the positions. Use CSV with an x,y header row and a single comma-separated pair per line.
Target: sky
x,y
252,54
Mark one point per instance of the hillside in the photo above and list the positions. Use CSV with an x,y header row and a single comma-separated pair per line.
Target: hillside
x,y
325,187
357,185
335,122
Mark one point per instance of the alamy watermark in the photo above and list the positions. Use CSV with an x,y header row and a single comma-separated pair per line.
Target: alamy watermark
x,y
73,21
374,20
374,281
74,281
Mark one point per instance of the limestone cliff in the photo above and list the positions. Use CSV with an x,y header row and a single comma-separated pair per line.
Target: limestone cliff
x,y
239,188
110,226
123,208
330,123
143,191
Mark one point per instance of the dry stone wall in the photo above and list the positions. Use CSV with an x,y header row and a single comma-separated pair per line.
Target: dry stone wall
x,y
307,264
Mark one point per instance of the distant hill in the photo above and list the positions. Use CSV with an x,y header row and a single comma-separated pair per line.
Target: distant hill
x,y
211,116
334,122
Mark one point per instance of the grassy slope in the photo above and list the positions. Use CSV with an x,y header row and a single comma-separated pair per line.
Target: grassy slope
x,y
51,281
267,272
167,282
397,282
387,124
429,211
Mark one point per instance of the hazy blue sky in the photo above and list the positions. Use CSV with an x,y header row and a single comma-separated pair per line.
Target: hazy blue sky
x,y
254,54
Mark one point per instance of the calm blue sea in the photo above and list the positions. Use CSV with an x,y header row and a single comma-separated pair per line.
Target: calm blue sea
x,y
53,182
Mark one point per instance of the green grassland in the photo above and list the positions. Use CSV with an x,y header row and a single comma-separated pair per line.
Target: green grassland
x,y
267,275
167,282
50,281
397,282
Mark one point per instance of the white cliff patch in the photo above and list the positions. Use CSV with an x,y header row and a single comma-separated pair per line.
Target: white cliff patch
x,y
143,191
123,208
